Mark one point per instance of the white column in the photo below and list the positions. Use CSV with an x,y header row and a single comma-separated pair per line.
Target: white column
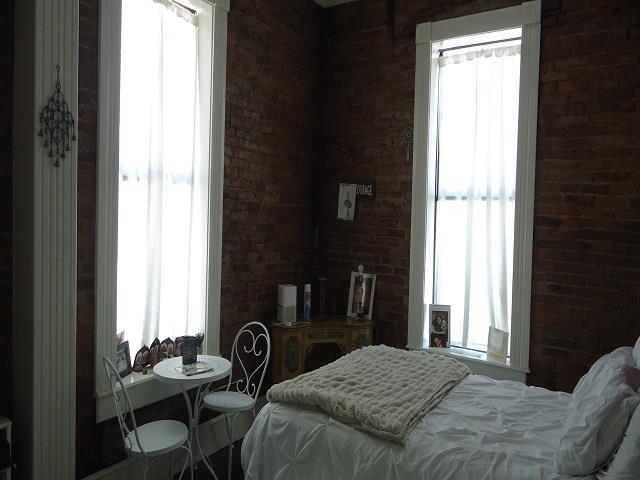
x,y
45,236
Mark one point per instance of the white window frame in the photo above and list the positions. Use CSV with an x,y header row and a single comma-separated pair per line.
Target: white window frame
x,y
526,16
142,390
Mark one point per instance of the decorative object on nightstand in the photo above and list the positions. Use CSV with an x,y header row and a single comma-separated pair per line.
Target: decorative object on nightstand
x,y
319,288
361,292
307,302
292,344
287,297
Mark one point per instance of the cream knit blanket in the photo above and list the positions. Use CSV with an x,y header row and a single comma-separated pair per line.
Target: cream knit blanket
x,y
380,389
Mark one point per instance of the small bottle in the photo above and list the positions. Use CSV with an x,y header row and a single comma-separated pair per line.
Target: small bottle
x,y
307,302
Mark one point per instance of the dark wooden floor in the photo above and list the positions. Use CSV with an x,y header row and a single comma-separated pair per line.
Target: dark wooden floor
x,y
220,465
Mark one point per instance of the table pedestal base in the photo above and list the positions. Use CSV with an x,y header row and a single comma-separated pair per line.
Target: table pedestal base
x,y
194,421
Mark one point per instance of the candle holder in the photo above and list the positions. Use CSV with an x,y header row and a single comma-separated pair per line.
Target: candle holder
x,y
189,350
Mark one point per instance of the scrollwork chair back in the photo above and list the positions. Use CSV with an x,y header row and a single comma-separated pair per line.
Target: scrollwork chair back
x,y
249,357
124,408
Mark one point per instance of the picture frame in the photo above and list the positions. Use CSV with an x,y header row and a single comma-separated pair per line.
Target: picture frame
x,y
178,347
361,292
167,349
154,352
123,359
141,359
346,201
497,344
439,326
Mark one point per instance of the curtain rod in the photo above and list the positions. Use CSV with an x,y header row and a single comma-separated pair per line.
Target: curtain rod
x,y
504,40
190,10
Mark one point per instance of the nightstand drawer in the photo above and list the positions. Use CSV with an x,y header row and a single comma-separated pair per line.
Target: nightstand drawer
x,y
326,336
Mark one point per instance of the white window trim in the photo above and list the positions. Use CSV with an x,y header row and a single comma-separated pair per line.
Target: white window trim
x,y
526,16
142,391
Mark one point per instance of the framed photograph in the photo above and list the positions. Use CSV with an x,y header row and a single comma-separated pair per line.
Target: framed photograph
x,y
141,360
346,201
154,352
361,290
497,344
439,325
178,347
123,359
167,348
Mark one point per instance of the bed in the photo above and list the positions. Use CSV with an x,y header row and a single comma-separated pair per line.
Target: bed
x,y
483,429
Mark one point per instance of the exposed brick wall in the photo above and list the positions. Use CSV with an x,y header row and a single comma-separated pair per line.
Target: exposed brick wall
x,y
269,147
586,270
6,168
269,154
586,276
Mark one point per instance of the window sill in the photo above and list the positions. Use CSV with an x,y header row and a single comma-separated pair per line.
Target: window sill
x,y
143,390
480,364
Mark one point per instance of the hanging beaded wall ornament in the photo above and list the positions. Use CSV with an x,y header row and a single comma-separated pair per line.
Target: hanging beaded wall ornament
x,y
56,124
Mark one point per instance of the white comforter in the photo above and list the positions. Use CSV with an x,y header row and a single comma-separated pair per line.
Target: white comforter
x,y
482,430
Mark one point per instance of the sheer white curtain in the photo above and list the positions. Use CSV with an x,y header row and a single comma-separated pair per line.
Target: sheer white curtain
x,y
162,210
477,137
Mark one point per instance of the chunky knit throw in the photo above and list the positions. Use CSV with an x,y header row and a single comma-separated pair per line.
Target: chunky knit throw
x,y
379,389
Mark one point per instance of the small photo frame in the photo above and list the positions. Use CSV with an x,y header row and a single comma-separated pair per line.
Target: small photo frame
x,y
167,348
154,352
361,290
497,344
346,201
123,359
439,325
141,360
178,347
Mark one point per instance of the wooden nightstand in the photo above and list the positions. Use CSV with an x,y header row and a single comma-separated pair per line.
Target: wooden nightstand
x,y
292,344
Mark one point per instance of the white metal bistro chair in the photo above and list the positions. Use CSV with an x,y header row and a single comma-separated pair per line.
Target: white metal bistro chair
x,y
251,349
151,440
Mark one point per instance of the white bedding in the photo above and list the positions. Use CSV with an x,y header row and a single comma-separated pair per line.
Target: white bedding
x,y
382,390
482,430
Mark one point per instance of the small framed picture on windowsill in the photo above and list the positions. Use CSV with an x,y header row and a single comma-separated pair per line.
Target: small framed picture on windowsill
x,y
439,325
123,359
497,344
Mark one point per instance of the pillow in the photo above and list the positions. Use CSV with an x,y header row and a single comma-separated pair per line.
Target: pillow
x,y
625,464
636,353
599,411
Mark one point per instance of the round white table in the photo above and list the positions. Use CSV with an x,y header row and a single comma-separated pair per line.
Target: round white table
x,y
170,371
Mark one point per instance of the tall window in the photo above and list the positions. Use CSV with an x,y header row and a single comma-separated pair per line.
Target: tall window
x,y
475,115
163,188
160,179
477,131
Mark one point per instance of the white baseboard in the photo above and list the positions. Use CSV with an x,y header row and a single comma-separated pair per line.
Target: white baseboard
x,y
213,437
